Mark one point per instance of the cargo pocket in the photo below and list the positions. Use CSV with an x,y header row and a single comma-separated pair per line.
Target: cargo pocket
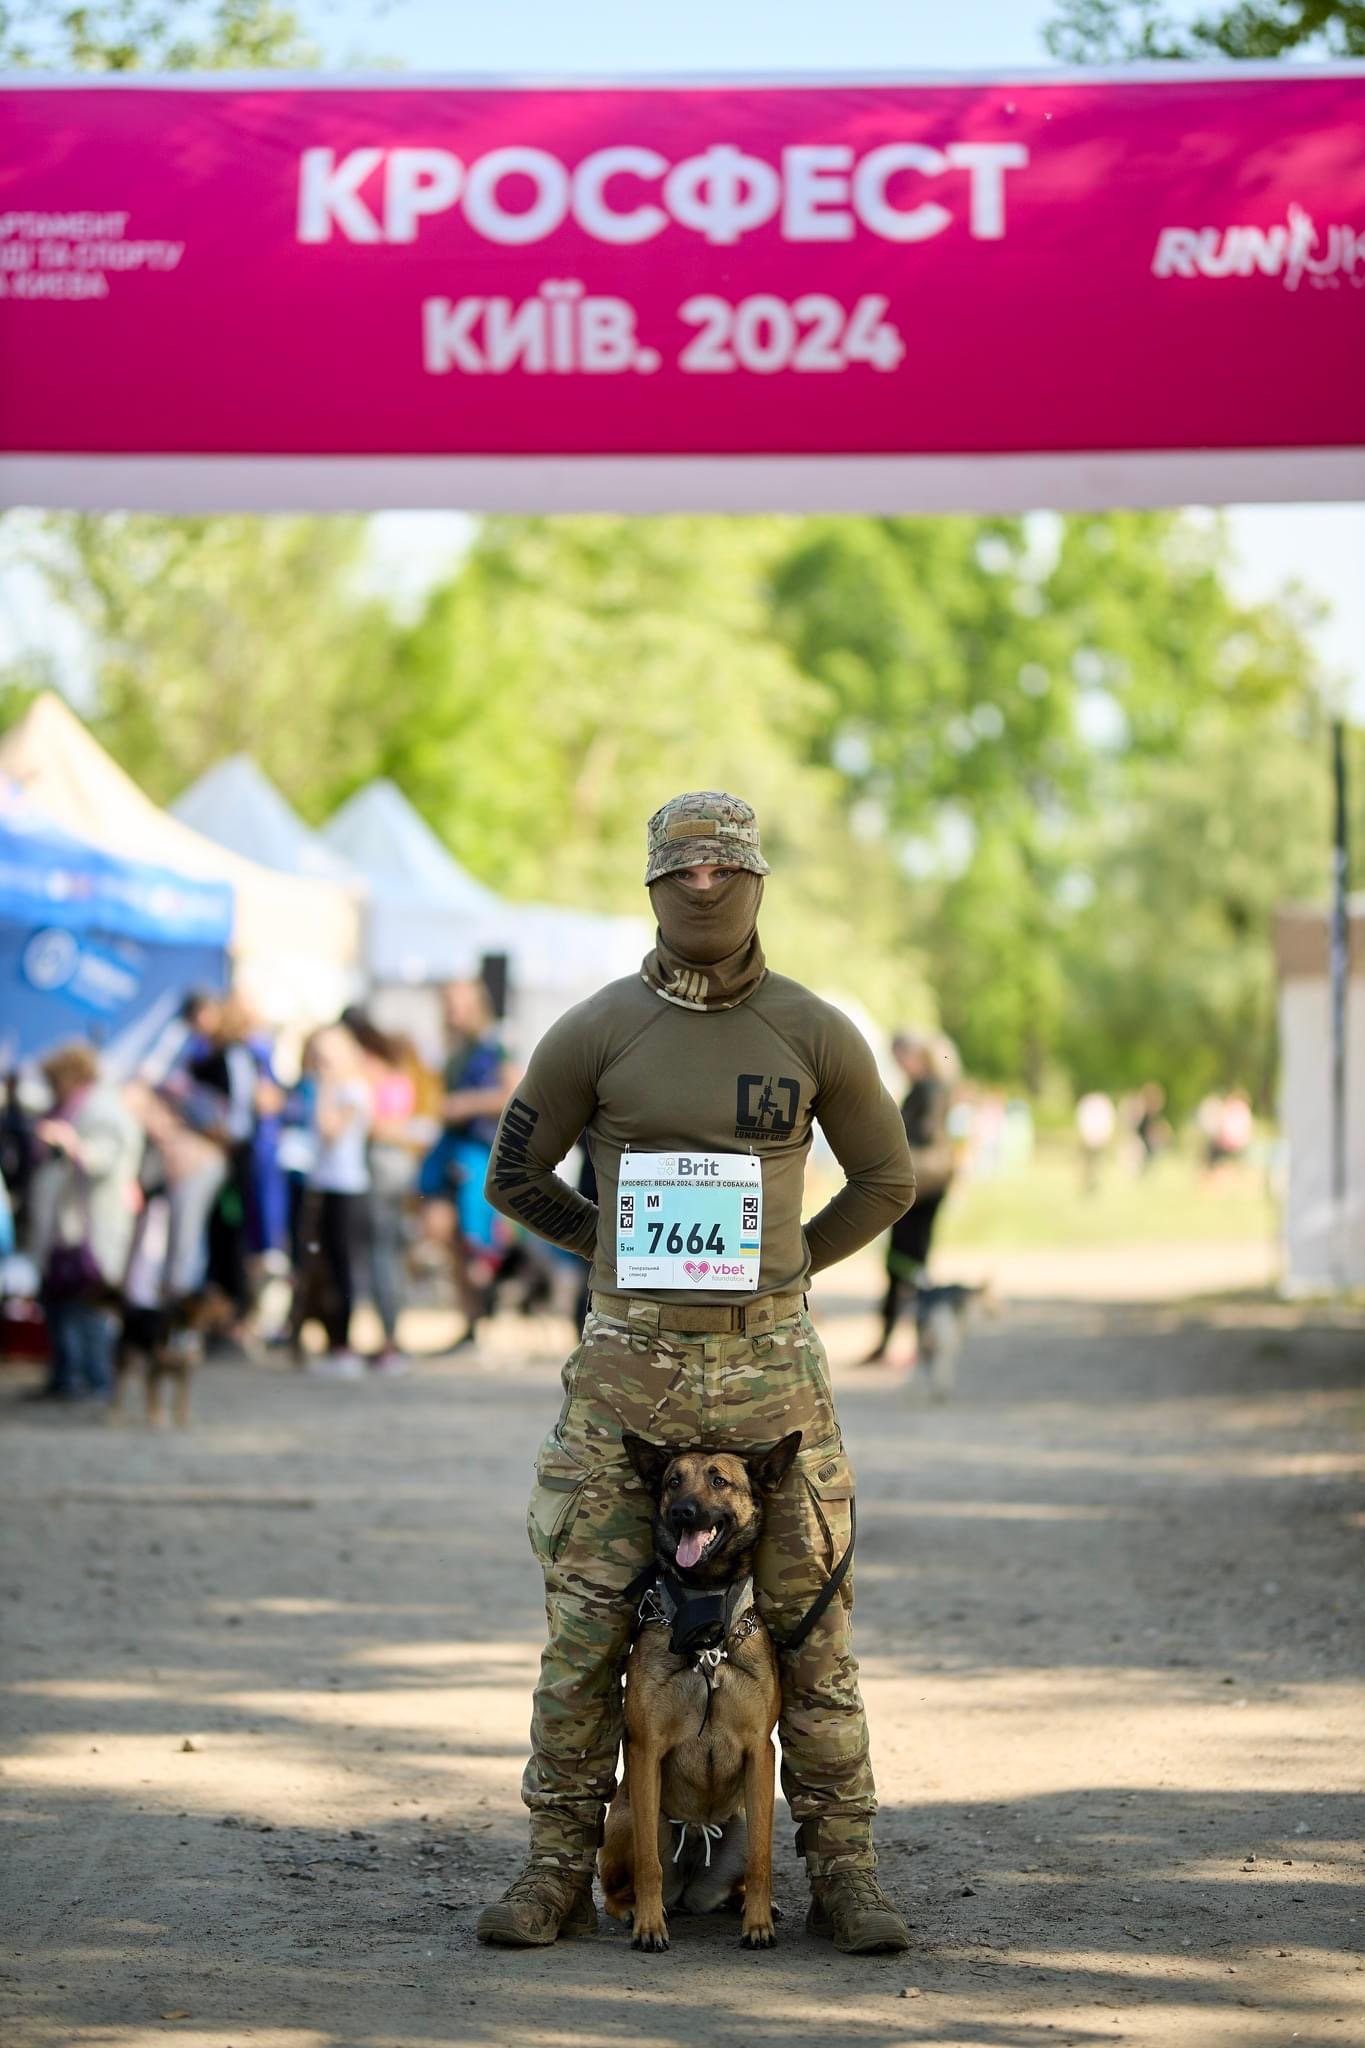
x,y
555,1497
828,1478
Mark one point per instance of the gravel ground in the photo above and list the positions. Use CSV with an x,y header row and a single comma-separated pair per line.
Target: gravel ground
x,y
266,1687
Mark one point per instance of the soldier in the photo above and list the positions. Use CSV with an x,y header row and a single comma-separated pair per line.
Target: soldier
x,y
704,1064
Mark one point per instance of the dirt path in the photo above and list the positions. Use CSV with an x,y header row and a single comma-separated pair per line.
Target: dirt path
x,y
266,1689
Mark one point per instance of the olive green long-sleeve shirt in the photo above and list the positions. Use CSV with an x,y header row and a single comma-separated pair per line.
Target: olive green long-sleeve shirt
x,y
630,1069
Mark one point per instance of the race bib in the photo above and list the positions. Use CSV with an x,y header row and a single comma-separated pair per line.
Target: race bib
x,y
689,1220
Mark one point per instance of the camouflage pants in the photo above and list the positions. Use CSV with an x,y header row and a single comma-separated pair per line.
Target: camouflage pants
x,y
589,1525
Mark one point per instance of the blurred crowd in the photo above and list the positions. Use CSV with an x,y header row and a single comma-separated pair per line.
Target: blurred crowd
x,y
209,1203
1137,1130
227,1198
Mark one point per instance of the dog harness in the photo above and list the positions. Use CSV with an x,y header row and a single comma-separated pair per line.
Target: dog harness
x,y
705,1624
700,1617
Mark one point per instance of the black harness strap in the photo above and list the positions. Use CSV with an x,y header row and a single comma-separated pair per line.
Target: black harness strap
x,y
646,1577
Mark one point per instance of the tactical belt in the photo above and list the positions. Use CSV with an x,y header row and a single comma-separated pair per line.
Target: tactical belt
x,y
753,1318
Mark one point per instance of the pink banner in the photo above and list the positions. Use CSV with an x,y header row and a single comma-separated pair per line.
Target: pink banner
x,y
925,272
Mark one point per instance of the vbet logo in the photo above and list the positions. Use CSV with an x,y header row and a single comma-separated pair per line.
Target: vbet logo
x,y
716,1270
1291,250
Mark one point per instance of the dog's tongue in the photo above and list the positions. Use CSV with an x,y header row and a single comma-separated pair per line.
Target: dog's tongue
x,y
691,1546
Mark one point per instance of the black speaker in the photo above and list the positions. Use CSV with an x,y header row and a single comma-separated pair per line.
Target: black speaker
x,y
494,976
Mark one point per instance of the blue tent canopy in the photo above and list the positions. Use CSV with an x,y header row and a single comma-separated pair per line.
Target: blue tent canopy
x,y
89,943
49,877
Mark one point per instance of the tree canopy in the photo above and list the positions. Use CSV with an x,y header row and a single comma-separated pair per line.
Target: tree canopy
x,y
150,35
1046,779
1117,31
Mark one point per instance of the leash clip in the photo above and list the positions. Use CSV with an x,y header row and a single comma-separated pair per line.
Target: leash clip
x,y
651,1609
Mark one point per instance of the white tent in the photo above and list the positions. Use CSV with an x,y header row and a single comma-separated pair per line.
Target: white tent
x,y
430,922
1323,1250
295,939
237,806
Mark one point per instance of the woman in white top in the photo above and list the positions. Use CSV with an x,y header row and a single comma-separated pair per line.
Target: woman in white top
x,y
81,1214
340,1178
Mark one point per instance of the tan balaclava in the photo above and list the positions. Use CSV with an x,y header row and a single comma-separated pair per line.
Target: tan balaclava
x,y
707,954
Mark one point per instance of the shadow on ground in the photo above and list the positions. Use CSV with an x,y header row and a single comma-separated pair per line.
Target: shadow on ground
x,y
267,1685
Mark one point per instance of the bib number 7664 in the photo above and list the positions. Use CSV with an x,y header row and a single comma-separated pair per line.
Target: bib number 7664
x,y
689,1220
676,1243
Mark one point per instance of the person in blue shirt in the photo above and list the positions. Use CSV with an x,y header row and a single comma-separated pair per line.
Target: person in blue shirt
x,y
478,1080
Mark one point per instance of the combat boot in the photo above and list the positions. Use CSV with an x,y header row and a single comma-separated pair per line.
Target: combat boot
x,y
546,1903
852,1910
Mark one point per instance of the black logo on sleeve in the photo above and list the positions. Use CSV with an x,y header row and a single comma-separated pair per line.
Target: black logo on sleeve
x,y
766,1106
516,1171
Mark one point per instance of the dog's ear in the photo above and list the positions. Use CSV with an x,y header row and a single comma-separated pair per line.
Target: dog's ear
x,y
651,1461
770,1468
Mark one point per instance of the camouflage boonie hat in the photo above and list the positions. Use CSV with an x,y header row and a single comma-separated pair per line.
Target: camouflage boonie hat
x,y
706,828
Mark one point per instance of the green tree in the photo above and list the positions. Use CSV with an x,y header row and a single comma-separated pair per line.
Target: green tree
x,y
1059,776
935,648
151,35
948,714
576,672
1035,734
1168,969
218,636
1115,31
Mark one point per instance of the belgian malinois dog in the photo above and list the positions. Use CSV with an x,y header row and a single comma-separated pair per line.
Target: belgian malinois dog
x,y
691,1825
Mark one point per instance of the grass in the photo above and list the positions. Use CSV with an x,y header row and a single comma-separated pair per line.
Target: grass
x,y
1044,1204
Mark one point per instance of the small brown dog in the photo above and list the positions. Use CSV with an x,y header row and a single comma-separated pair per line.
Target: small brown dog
x,y
702,1699
164,1353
